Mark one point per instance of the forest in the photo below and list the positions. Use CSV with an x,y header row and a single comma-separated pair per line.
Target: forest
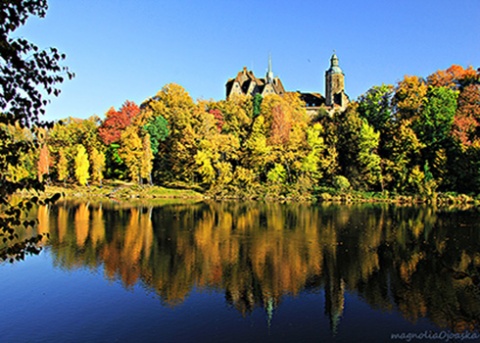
x,y
419,137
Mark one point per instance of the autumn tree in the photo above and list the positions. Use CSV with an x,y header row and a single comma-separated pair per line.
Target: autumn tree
x,y
409,97
82,165
177,162
97,163
111,129
131,152
466,123
43,162
217,114
62,166
146,163
455,77
403,155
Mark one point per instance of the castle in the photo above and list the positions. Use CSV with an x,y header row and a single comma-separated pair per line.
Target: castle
x,y
335,97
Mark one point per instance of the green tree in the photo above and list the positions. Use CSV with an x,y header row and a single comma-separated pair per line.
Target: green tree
x,y
376,106
347,129
368,158
257,154
434,125
158,130
257,104
82,165
316,144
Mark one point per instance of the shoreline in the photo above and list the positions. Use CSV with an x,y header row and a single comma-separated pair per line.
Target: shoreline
x,y
122,191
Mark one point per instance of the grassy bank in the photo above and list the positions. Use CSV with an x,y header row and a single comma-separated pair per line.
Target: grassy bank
x,y
121,190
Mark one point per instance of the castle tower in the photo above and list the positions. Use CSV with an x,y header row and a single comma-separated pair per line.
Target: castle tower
x,y
335,84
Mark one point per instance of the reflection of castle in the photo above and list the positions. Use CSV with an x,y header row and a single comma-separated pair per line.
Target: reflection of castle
x,y
335,97
334,292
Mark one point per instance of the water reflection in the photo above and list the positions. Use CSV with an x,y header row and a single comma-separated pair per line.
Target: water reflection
x,y
421,261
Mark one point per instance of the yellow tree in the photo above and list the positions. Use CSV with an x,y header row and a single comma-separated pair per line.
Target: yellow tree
x,y
82,165
176,155
97,159
131,152
409,97
146,163
62,166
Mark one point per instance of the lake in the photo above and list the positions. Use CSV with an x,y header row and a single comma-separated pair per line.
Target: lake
x,y
245,272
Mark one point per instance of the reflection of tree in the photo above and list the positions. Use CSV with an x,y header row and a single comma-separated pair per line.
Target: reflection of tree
x,y
82,224
414,260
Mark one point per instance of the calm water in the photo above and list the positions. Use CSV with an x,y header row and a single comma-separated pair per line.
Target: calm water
x,y
245,272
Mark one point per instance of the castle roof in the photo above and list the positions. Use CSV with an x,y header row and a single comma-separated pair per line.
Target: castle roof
x,y
245,78
312,99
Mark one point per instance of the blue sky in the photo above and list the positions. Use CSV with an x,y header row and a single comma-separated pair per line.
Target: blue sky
x,y
129,49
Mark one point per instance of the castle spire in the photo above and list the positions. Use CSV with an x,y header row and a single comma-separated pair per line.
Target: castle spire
x,y
269,71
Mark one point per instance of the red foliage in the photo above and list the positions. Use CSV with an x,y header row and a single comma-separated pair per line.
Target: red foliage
x,y
464,128
116,121
218,117
467,118
453,77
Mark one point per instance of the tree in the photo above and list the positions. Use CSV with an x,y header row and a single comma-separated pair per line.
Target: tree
x,y
131,152
311,162
116,121
409,97
43,162
217,114
62,166
403,154
347,130
146,164
257,104
376,106
434,125
368,158
97,159
466,122
455,77
82,165
281,126
158,131
26,75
